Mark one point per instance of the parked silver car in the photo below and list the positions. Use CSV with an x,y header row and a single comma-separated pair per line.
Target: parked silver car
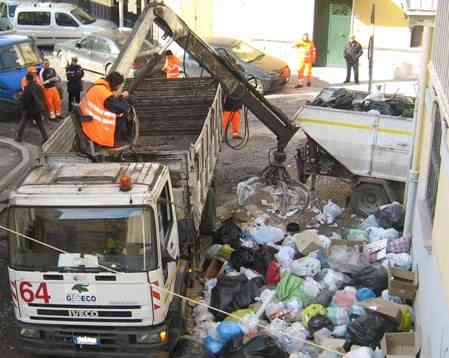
x,y
97,52
51,23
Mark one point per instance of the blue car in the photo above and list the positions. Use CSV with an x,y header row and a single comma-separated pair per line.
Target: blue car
x,y
17,52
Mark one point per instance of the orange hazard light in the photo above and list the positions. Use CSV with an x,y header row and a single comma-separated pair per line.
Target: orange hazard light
x,y
163,336
125,183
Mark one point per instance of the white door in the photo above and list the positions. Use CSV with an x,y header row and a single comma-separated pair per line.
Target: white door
x,y
36,24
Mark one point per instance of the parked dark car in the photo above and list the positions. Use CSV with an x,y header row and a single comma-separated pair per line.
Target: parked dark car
x,y
269,73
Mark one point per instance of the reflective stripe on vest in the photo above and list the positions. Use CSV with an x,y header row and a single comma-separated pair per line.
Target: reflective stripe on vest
x,y
171,67
101,129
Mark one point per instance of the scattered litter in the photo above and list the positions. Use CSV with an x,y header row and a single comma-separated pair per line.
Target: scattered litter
x,y
299,293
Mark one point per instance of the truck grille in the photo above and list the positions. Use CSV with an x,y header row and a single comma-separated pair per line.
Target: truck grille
x,y
80,313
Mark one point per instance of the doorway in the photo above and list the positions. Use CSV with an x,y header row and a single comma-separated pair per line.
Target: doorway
x,y
332,28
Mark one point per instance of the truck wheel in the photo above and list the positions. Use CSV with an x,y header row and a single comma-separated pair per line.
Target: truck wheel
x,y
209,218
367,197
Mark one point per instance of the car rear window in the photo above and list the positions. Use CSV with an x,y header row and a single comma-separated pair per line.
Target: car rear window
x,y
34,18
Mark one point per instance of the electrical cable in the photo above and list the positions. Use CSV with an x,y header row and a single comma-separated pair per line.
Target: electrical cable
x,y
246,133
174,294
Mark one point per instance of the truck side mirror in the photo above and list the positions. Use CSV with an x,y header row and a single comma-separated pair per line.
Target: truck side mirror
x,y
78,45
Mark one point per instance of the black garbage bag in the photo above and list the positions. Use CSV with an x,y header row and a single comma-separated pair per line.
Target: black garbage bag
x,y
391,216
234,292
228,233
318,322
258,347
402,106
344,101
255,259
186,347
324,298
263,258
242,257
381,106
329,96
368,330
373,276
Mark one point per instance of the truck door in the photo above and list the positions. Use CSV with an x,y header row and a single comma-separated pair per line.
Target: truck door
x,y
168,234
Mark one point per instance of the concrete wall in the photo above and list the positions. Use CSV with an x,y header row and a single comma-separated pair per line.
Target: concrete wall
x,y
431,249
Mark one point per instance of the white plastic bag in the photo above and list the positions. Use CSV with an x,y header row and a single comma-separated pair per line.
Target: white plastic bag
x,y
325,241
291,339
245,189
285,256
363,352
264,234
340,331
370,221
311,287
403,261
331,212
378,233
307,266
333,280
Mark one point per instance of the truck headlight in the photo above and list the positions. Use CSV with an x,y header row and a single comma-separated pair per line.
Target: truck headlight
x,y
29,333
148,338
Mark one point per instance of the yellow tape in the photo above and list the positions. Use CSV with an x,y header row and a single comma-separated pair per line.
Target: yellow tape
x,y
354,126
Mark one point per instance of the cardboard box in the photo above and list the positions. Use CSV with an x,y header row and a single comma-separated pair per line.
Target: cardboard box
x,y
402,283
215,268
351,243
307,242
389,309
399,345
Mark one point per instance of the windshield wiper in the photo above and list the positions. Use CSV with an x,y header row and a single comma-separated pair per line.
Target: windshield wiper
x,y
80,269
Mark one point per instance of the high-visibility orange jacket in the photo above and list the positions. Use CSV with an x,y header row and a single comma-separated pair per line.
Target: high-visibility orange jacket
x,y
101,128
307,51
171,66
24,82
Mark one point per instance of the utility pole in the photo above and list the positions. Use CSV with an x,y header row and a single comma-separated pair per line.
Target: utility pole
x,y
371,48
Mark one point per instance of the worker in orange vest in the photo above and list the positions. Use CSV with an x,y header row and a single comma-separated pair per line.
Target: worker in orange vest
x,y
33,71
171,66
104,111
50,80
232,113
307,57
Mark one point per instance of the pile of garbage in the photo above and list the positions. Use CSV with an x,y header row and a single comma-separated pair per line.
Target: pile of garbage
x,y
272,289
377,102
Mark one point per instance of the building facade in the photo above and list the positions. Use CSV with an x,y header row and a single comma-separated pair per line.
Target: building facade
x,y
428,188
274,26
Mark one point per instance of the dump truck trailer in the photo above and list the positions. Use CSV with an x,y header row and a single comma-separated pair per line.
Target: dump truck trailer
x,y
368,149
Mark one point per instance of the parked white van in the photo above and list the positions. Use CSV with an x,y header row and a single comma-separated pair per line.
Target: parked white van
x,y
50,23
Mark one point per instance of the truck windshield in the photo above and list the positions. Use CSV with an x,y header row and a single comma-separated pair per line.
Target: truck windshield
x,y
82,16
123,239
18,56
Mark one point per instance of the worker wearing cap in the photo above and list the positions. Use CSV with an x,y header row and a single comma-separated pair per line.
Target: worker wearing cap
x,y
353,52
74,74
307,57
104,111
171,66
50,80
33,71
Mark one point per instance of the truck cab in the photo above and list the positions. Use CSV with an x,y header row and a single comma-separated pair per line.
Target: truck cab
x,y
95,281
17,52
